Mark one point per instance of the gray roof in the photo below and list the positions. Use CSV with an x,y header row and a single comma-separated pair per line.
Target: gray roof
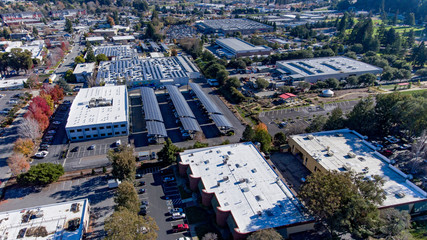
x,y
190,124
221,121
181,106
155,128
151,106
206,101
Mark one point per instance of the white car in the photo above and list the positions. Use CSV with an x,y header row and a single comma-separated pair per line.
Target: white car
x,y
176,210
41,154
178,215
184,238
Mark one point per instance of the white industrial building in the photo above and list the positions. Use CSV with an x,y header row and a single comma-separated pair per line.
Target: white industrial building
x,y
319,69
224,26
84,71
66,220
244,190
346,150
235,47
148,71
98,112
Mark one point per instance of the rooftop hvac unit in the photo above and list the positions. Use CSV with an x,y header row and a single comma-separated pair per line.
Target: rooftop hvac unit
x,y
347,167
218,183
351,154
400,194
310,137
242,180
225,178
330,153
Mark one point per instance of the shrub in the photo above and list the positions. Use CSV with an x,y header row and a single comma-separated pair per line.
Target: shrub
x,y
41,174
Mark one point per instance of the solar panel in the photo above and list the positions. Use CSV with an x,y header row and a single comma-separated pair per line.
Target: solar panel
x,y
190,124
206,101
221,121
157,129
151,106
181,106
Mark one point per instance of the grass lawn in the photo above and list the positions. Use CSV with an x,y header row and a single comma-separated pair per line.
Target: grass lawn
x,y
201,230
196,214
419,230
413,92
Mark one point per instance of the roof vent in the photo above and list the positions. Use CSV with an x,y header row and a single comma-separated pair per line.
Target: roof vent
x,y
245,189
258,198
330,153
259,213
351,154
362,159
253,170
400,194
225,178
310,137
237,165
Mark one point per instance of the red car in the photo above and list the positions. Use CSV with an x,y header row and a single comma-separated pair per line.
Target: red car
x,y
180,228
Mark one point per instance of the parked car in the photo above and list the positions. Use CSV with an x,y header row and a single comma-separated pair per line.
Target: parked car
x,y
141,183
51,132
178,215
12,102
168,179
138,176
56,122
180,228
141,191
41,154
91,147
118,143
176,210
75,149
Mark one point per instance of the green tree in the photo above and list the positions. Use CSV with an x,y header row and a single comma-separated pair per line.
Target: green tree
x,y
317,124
367,79
304,85
386,116
69,76
41,174
127,197
410,20
266,234
35,32
233,82
262,83
262,136
352,81
90,56
222,77
279,138
339,198
168,152
64,85
126,225
248,134
394,222
212,70
361,117
335,120
68,26
123,163
332,83
79,59
101,57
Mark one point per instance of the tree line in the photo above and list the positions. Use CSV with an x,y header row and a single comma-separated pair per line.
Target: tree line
x,y
15,60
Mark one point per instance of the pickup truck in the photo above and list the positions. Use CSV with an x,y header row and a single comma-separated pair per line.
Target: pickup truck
x,y
180,228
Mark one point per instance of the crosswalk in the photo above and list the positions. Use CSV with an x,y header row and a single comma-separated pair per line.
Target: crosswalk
x,y
150,170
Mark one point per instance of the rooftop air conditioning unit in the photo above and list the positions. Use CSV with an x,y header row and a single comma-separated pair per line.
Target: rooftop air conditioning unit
x,y
310,137
225,178
400,194
351,154
346,167
330,153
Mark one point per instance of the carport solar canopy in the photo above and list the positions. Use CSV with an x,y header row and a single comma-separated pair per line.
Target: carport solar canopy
x,y
221,121
155,128
206,101
181,106
151,106
190,124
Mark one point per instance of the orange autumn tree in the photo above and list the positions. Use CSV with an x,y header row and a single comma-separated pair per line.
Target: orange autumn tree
x,y
261,127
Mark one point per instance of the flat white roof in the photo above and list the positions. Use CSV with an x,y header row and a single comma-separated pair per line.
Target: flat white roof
x,y
84,67
90,39
248,186
53,219
326,66
238,45
121,38
83,115
366,161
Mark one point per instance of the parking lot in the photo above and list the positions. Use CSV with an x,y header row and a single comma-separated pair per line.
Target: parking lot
x,y
161,198
7,96
301,115
94,188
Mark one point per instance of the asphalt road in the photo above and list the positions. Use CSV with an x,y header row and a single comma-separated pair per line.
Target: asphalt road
x,y
69,59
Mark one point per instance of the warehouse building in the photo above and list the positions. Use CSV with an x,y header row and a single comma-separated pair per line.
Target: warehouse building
x,y
319,69
66,220
235,47
148,71
98,112
346,150
244,190
97,40
115,51
224,26
84,71
123,39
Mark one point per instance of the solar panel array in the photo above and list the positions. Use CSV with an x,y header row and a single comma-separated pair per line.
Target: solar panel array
x,y
153,116
138,70
115,51
184,112
216,114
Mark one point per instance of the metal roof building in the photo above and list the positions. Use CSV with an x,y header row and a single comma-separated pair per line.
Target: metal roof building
x,y
239,48
315,69
214,112
184,112
224,26
148,71
153,116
